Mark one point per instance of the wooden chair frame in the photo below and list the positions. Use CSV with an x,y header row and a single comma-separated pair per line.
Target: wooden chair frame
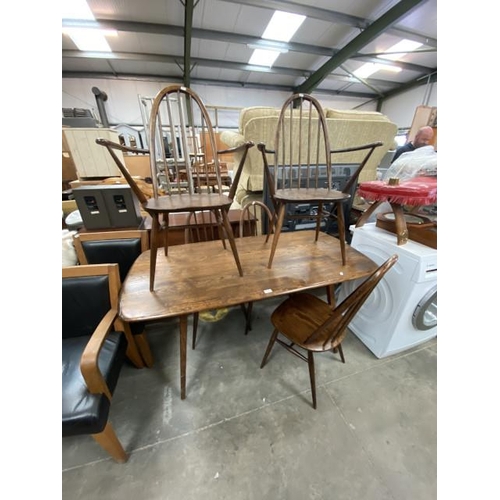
x,y
89,366
183,185
312,325
302,143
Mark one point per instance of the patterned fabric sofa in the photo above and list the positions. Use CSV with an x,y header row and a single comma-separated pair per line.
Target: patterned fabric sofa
x,y
346,128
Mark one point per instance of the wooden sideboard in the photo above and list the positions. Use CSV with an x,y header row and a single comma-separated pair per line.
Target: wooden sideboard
x,y
179,227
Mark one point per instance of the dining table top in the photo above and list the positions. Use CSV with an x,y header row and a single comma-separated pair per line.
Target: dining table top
x,y
201,276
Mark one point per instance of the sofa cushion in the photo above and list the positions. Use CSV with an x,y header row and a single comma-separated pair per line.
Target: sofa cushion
x,y
246,114
352,114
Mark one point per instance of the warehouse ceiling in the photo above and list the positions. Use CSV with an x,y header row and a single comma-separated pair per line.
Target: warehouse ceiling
x,y
211,42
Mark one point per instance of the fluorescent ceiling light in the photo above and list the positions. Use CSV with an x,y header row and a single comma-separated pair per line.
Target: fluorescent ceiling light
x,y
281,28
88,39
76,9
401,49
395,53
261,57
369,68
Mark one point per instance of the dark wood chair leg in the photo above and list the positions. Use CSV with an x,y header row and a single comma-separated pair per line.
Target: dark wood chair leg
x,y
330,295
319,218
340,351
230,237
166,220
155,234
195,327
341,226
272,340
248,317
277,232
310,362
220,225
108,440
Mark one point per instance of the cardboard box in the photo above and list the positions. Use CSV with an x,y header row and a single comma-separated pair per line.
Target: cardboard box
x,y
138,165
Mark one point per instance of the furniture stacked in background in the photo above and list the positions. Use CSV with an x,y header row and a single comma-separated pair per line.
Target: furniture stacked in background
x,y
346,128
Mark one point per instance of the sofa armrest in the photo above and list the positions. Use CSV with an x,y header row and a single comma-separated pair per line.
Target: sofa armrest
x,y
232,139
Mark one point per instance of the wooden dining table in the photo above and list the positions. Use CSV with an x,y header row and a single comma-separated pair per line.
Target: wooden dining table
x,y
202,276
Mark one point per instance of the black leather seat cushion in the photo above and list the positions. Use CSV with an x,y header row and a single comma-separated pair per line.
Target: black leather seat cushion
x,y
83,412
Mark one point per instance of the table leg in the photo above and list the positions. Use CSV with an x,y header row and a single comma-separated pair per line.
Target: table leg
x,y
183,321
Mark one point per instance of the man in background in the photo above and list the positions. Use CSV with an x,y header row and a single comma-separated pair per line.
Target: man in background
x,y
423,137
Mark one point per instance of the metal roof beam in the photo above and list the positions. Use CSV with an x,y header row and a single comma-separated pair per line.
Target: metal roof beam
x,y
331,16
167,59
188,27
421,80
221,36
160,58
382,24
206,81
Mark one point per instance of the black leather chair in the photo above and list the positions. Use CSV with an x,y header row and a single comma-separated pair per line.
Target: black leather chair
x,y
94,346
121,247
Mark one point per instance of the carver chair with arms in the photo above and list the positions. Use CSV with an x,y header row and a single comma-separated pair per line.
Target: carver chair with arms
x,y
301,167
94,344
121,247
185,166
312,325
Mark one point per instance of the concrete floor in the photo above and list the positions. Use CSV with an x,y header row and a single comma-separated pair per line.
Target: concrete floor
x,y
247,433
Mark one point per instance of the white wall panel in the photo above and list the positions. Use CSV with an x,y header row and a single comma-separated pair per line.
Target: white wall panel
x,y
122,105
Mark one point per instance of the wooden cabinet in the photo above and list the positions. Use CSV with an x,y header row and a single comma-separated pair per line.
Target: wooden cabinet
x,y
68,165
90,159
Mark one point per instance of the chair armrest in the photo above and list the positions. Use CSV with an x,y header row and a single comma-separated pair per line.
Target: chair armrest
x,y
354,177
246,145
243,147
358,148
120,147
262,148
88,363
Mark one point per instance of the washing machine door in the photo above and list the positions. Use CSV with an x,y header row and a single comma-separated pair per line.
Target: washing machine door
x,y
425,314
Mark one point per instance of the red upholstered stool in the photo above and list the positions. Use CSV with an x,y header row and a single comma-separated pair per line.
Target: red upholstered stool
x,y
414,192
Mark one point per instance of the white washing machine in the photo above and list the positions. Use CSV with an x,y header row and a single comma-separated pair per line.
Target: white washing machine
x,y
402,310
